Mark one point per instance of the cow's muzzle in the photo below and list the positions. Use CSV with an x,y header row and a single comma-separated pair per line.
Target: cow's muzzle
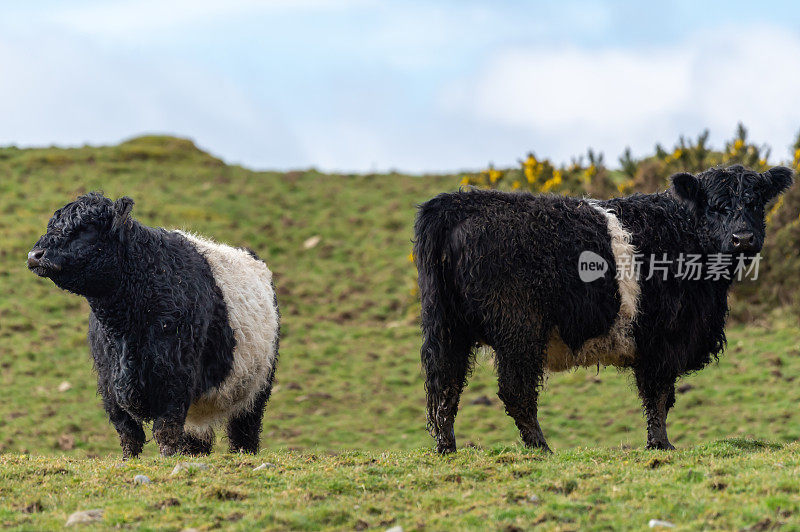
x,y
743,241
38,264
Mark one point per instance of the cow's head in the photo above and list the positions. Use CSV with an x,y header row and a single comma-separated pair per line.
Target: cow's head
x,y
81,250
729,203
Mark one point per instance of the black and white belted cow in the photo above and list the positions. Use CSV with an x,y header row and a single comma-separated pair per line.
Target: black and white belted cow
x,y
503,269
183,330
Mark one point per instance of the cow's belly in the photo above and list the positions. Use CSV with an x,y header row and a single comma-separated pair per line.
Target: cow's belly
x,y
255,329
235,394
616,347
613,349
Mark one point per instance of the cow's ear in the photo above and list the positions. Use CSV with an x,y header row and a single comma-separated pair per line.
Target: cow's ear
x,y
776,180
122,211
687,187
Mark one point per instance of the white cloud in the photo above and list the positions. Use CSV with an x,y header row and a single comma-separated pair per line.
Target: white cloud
x,y
60,91
133,17
609,98
574,88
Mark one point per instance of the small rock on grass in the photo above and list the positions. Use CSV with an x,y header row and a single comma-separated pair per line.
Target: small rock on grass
x,y
265,465
64,386
395,529
312,242
85,516
656,523
141,479
188,466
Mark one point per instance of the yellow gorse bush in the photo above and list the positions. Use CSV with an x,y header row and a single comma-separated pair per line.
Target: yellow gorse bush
x,y
775,208
534,175
553,183
589,175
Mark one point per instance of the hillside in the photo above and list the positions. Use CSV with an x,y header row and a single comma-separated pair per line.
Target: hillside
x,y
349,377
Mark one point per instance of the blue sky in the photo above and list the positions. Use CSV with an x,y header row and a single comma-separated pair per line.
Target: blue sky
x,y
365,85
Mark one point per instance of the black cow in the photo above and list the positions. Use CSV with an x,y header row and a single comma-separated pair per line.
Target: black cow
x,y
183,330
553,282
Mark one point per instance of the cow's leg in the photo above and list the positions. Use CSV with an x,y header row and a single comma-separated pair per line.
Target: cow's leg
x,y
446,362
658,396
131,434
244,429
198,442
520,373
168,430
129,429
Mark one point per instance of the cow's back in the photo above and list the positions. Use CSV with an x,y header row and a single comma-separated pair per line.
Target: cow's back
x,y
514,260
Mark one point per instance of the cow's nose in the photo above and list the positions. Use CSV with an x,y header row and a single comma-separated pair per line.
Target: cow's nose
x,y
743,240
35,257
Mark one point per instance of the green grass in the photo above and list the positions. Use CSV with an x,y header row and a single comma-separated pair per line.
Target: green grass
x,y
721,485
349,385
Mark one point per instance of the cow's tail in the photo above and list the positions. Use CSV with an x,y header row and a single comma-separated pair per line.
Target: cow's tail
x,y
444,358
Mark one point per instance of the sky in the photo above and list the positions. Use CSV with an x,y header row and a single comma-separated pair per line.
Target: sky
x,y
373,85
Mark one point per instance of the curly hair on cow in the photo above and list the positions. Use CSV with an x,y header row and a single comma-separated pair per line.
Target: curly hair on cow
x,y
504,270
183,330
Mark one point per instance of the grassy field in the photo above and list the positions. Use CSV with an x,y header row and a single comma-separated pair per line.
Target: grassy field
x,y
724,485
345,426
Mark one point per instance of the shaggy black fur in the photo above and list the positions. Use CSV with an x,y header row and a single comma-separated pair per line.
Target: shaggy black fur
x,y
501,269
158,327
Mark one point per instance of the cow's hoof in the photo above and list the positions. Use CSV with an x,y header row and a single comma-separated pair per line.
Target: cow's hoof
x,y
535,440
661,446
446,441
126,455
131,450
541,446
169,449
446,448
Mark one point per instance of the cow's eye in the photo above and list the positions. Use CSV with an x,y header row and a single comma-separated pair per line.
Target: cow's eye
x,y
89,232
85,233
